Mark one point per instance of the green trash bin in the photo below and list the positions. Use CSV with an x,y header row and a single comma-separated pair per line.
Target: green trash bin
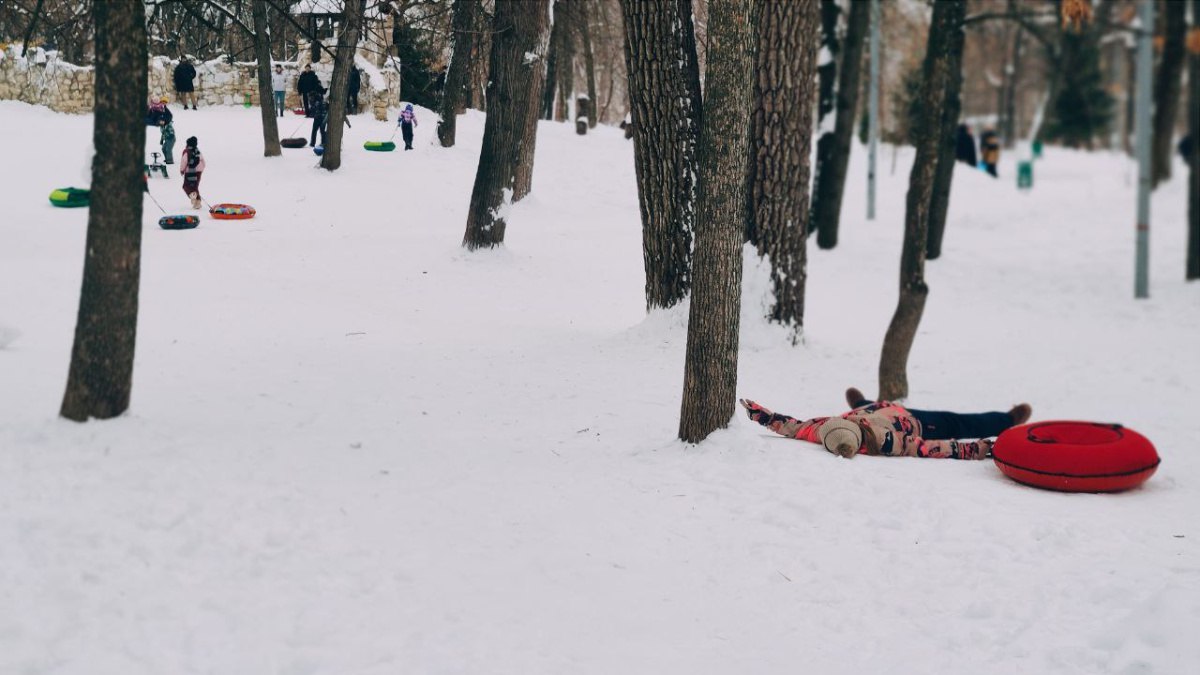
x,y
247,102
1025,174
1037,149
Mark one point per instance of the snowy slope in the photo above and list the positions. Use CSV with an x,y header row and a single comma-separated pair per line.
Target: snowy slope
x,y
356,448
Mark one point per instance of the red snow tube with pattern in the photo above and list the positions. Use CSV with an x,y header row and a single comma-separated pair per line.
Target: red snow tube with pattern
x,y
1075,456
231,212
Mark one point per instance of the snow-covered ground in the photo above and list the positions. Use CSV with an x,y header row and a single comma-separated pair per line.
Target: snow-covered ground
x,y
356,448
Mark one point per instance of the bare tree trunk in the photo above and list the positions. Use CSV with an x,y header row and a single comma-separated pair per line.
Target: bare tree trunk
x,y
339,86
945,30
481,49
454,91
552,69
710,370
939,205
1168,88
833,152
664,97
101,373
520,34
266,96
1193,245
583,14
566,60
1012,78
780,143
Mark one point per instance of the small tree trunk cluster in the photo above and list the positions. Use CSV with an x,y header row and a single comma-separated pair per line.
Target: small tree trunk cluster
x,y
454,92
945,38
520,33
1168,88
833,150
100,378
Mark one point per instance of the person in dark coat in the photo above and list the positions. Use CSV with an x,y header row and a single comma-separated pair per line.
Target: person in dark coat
x,y
989,148
964,146
184,77
307,85
319,112
1186,147
355,86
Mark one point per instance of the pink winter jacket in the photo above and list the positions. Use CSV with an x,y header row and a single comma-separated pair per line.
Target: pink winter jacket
x,y
888,429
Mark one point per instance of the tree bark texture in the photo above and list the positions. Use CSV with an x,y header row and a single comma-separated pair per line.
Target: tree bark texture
x,y
1012,78
833,151
266,95
552,69
710,369
945,30
564,14
1168,89
520,33
339,85
664,98
477,71
1193,241
939,205
583,14
454,92
100,378
780,142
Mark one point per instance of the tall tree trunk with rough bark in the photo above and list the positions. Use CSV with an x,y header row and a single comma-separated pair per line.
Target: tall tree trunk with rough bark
x,y
100,378
1168,88
939,205
520,33
780,140
477,71
945,30
266,95
583,14
564,19
664,98
339,85
833,152
454,92
1193,240
710,367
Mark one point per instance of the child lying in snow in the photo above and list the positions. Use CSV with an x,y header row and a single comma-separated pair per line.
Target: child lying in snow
x,y
886,428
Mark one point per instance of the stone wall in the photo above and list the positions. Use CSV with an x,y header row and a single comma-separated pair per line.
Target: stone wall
x,y
42,79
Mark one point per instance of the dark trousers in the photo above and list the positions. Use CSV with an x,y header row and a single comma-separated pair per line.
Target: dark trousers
x,y
939,425
304,98
406,131
319,124
191,183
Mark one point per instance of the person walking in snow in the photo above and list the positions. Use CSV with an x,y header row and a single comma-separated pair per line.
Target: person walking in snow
x,y
193,166
184,77
408,120
989,148
889,429
352,95
166,138
307,85
279,86
320,113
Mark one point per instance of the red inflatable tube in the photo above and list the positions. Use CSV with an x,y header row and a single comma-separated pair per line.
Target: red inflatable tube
x,y
1075,456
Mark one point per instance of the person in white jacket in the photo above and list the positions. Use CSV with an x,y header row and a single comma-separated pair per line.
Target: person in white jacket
x,y
279,86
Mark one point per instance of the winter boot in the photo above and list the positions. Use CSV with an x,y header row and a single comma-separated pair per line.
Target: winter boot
x,y
195,197
854,398
1020,414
